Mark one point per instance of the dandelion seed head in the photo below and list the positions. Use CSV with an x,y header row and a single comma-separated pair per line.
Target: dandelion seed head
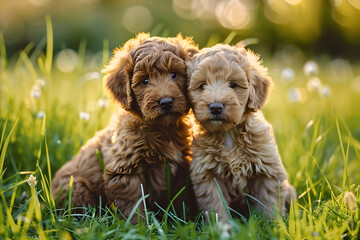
x,y
32,181
310,68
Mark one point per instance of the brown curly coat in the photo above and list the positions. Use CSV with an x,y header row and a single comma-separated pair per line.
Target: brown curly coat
x,y
144,137
235,145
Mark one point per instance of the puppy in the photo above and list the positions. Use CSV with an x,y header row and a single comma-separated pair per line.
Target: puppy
x,y
148,140
235,145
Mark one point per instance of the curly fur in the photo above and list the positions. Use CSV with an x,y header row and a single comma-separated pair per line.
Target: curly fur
x,y
142,139
237,147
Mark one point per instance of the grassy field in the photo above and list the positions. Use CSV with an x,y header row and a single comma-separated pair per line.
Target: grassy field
x,y
47,114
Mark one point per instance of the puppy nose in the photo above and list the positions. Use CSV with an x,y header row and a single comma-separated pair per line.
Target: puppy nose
x,y
166,103
216,108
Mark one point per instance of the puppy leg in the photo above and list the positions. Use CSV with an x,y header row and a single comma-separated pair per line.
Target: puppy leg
x,y
209,198
124,191
266,190
88,178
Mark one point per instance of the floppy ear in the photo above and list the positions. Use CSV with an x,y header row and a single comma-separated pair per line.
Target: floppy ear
x,y
260,83
117,78
119,72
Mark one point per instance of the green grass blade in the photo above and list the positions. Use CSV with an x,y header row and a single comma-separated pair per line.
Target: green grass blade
x,y
100,160
49,45
70,195
3,133
4,148
345,174
28,64
81,54
223,199
134,209
230,37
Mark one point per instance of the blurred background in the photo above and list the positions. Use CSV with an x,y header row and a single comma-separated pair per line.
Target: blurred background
x,y
317,27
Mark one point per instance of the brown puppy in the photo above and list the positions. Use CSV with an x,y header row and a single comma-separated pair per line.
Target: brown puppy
x,y
235,145
147,77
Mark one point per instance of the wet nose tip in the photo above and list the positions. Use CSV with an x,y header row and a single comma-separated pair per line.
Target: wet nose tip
x,y
216,108
166,103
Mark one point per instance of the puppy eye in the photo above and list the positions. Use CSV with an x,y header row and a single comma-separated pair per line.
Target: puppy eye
x,y
202,86
233,85
173,75
145,81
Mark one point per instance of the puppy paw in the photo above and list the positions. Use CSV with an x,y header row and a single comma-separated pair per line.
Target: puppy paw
x,y
288,194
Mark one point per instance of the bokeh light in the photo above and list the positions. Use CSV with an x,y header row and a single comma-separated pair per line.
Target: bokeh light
x,y
66,60
137,19
233,14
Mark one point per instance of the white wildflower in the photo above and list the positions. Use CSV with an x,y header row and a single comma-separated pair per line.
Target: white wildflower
x,y
40,82
35,92
92,75
224,229
40,114
32,181
84,115
295,95
103,102
326,91
314,84
58,141
310,68
287,74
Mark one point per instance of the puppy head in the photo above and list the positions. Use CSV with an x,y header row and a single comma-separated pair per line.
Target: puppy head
x,y
147,76
224,84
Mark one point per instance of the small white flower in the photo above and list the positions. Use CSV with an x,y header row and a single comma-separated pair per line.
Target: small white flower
x,y
92,75
313,84
326,91
287,74
103,102
36,92
310,68
84,115
40,82
225,229
295,95
40,114
58,141
32,181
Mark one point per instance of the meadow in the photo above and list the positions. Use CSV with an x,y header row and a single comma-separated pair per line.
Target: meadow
x,y
50,106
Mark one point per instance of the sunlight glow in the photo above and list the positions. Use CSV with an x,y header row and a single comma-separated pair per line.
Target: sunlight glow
x,y
233,14
133,22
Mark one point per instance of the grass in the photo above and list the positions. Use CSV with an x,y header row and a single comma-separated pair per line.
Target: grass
x,y
40,129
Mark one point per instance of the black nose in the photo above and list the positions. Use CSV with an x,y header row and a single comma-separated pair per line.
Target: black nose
x,y
166,104
216,108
